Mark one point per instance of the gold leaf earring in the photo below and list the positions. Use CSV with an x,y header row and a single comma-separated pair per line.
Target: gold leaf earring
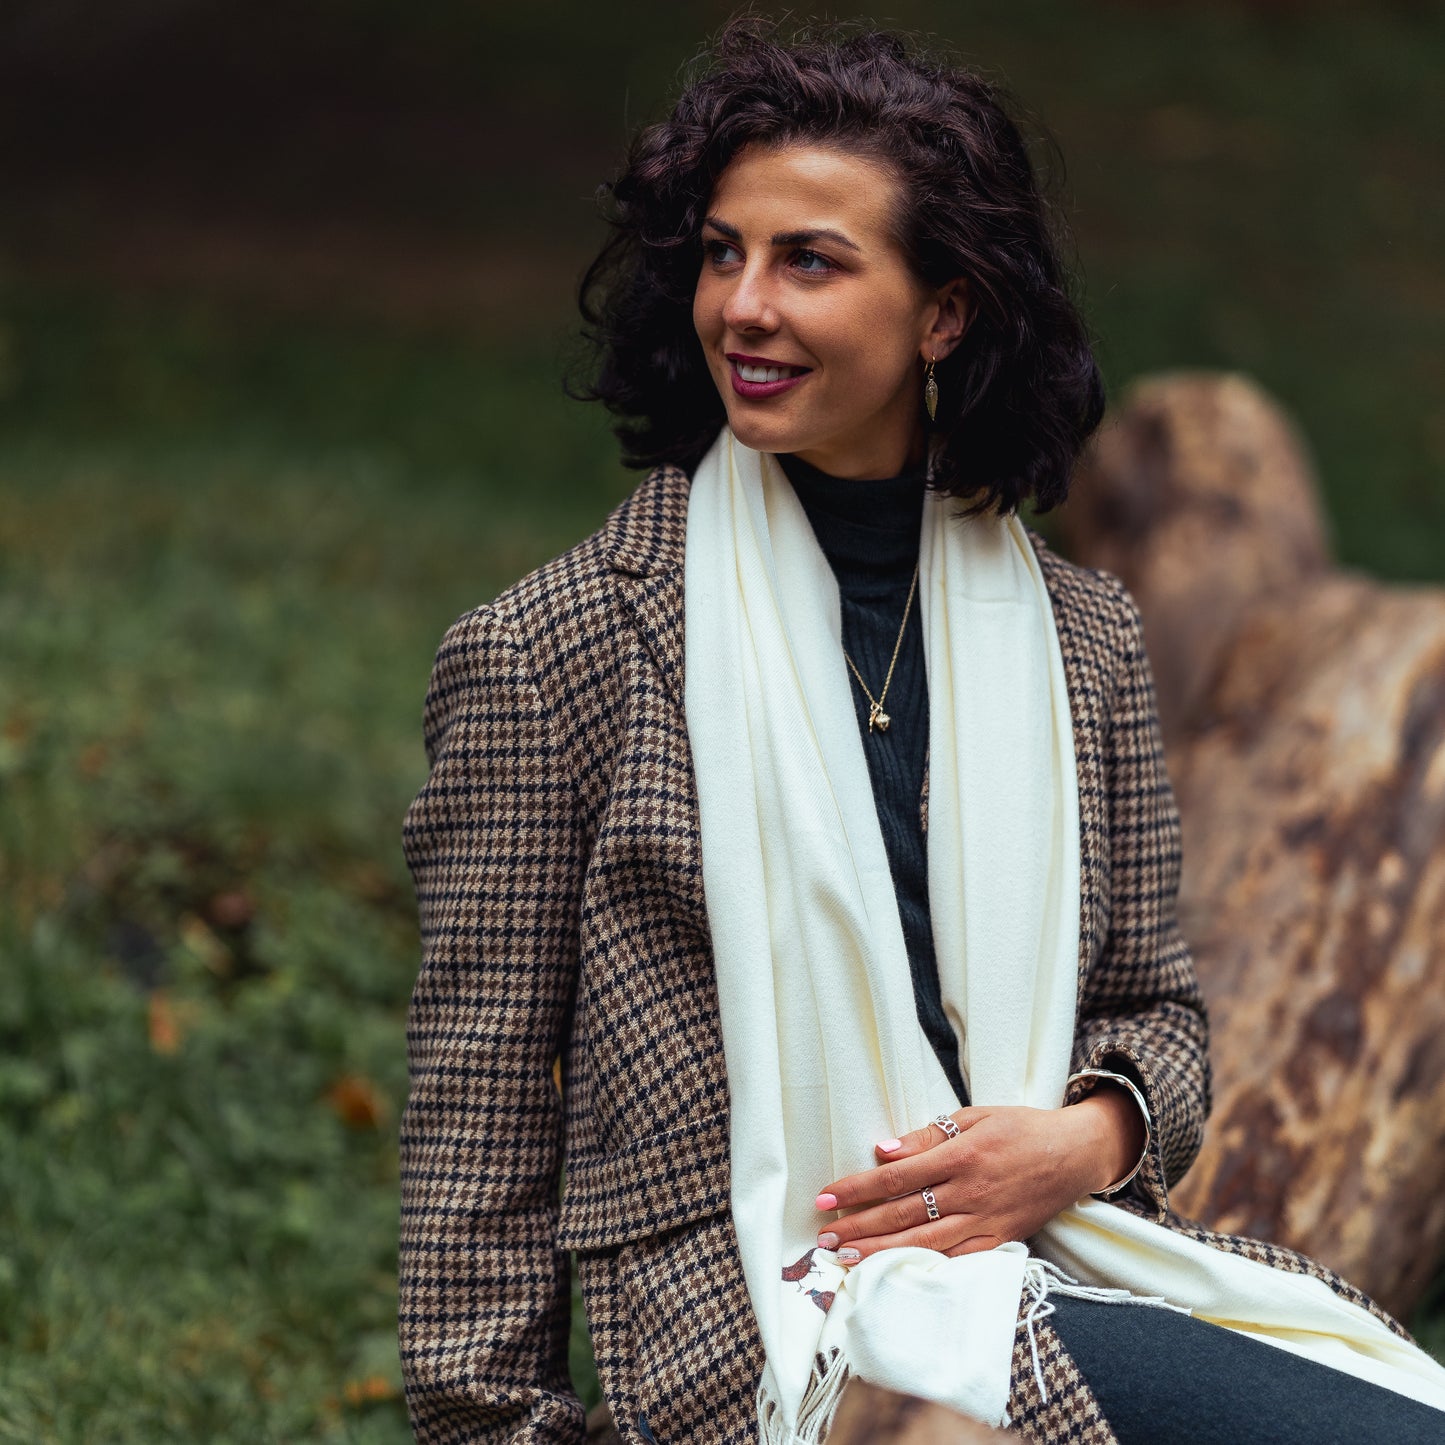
x,y
930,390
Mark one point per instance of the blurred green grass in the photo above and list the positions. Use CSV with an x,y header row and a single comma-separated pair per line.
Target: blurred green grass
x,y
227,552
229,542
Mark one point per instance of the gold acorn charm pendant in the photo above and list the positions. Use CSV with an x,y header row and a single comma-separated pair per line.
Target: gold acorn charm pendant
x,y
877,718
930,393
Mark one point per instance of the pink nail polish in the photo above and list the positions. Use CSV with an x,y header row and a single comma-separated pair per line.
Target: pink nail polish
x,y
890,1146
827,1201
827,1241
848,1256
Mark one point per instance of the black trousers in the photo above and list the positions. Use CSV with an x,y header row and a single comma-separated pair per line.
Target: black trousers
x,y
1164,1378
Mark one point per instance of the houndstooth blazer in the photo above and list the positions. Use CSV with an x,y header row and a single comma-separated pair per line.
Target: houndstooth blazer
x,y
555,852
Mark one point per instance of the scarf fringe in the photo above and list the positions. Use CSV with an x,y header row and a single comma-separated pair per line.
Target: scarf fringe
x,y
1042,1279
1043,1282
815,1415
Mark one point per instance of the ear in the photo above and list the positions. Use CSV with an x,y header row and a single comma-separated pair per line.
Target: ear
x,y
952,313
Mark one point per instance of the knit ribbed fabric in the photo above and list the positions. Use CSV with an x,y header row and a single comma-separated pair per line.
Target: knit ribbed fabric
x,y
869,532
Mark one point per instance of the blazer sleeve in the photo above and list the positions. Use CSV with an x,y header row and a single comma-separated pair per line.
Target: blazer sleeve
x,y
494,844
1141,1014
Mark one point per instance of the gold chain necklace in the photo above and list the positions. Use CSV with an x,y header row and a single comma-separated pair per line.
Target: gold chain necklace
x,y
877,718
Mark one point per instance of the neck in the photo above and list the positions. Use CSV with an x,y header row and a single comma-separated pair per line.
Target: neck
x,y
890,459
801,467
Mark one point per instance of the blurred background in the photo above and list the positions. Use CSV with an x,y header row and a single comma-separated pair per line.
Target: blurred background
x,y
285,302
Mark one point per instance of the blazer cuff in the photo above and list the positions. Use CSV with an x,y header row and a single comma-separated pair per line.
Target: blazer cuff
x,y
1081,1085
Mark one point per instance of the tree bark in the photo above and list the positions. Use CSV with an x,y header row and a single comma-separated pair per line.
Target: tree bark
x,y
1304,716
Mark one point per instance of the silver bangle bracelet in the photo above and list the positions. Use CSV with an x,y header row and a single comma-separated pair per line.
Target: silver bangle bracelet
x,y
1124,1082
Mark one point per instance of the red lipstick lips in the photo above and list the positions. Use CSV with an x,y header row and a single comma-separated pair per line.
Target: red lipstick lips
x,y
757,390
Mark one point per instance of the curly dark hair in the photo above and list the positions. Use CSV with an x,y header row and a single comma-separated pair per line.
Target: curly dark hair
x,y
1019,396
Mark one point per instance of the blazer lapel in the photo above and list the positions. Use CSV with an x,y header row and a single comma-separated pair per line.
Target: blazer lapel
x,y
648,536
656,607
1087,692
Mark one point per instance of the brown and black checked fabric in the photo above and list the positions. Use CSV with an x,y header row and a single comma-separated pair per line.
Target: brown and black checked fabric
x,y
1140,1010
557,862
1069,1410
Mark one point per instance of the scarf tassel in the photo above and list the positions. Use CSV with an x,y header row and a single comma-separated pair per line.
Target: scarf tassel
x,y
1042,1279
815,1415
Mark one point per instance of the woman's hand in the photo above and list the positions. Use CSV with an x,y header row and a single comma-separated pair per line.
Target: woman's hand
x,y
1007,1173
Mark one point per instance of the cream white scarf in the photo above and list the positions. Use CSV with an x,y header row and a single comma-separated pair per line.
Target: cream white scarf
x,y
824,1052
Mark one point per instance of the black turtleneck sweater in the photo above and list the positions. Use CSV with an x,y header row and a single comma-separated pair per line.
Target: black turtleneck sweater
x,y
869,532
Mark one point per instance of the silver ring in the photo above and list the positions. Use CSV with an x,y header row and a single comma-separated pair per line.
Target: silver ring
x,y
949,1127
930,1203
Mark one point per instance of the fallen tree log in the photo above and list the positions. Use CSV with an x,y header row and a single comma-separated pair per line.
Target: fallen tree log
x,y
1304,718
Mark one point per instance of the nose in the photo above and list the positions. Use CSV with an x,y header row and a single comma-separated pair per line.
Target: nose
x,y
751,304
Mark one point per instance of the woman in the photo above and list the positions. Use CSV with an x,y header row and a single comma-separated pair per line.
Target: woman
x,y
804,805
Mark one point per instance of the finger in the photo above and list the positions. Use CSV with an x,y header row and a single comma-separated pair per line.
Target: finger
x,y
888,1181
893,1216
908,1172
975,1244
916,1141
945,1235
930,1136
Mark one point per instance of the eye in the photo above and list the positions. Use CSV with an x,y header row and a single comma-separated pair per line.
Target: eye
x,y
812,262
714,250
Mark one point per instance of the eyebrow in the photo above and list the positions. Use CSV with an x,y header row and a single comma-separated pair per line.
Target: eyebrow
x,y
787,238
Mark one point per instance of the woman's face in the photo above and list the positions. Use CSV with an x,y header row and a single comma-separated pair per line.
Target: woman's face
x,y
814,327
